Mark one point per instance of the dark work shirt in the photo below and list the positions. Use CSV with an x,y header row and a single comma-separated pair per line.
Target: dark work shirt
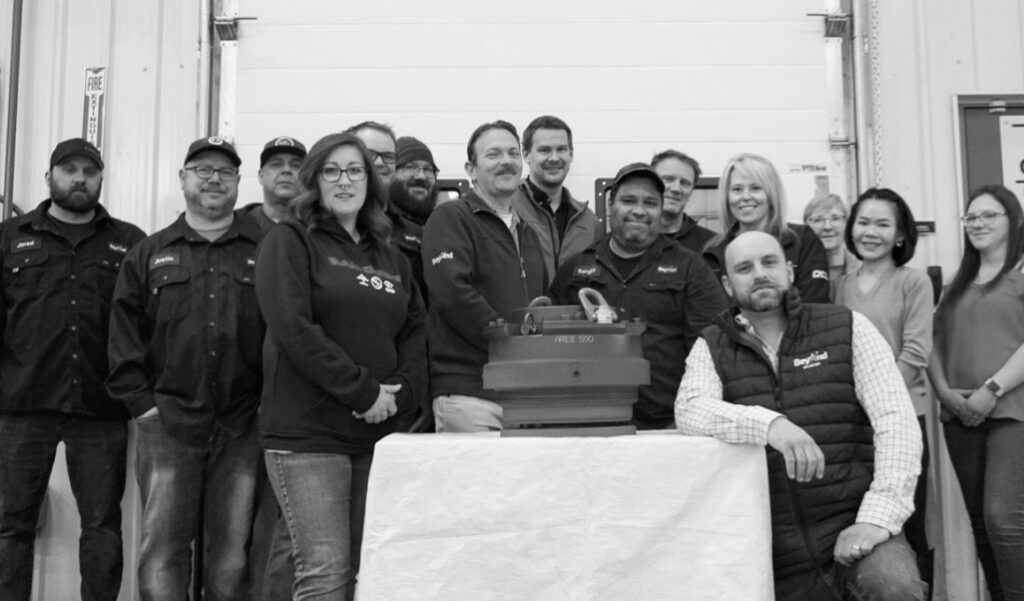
x,y
55,308
186,333
561,215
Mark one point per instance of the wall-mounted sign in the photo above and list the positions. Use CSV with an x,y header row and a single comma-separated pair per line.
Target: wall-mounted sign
x,y
95,90
1011,142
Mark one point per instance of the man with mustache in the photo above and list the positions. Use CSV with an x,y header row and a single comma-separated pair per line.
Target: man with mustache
x,y
60,264
480,261
565,225
643,274
185,359
680,173
278,174
819,386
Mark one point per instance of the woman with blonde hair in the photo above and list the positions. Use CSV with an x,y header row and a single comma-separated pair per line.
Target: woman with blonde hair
x,y
826,215
752,198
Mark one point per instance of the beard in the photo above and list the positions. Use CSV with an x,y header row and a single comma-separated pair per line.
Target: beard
x,y
75,199
765,298
418,209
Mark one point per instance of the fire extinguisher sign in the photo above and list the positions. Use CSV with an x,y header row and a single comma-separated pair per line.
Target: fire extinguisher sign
x,y
95,90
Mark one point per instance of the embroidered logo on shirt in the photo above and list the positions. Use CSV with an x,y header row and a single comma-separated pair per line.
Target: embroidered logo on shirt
x,y
586,270
445,255
668,269
409,238
23,244
369,269
819,274
250,262
165,260
118,248
813,360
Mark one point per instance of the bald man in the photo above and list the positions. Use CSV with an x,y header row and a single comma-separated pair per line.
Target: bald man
x,y
819,386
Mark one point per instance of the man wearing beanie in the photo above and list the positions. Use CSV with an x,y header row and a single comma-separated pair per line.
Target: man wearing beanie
x,y
185,359
278,174
60,264
565,225
412,195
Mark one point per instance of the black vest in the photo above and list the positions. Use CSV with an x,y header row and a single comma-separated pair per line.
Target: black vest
x,y
814,389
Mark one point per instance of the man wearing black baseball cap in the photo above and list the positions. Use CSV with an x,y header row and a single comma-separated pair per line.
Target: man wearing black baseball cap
x,y
278,175
185,359
60,265
644,274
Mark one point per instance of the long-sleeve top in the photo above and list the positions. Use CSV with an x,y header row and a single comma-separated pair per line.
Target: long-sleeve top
x,y
700,411
900,306
186,332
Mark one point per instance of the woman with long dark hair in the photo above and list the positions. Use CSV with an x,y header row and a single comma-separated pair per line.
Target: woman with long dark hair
x,y
345,351
751,198
977,368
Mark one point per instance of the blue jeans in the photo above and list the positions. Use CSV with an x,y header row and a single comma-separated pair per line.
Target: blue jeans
x,y
988,461
889,573
176,480
96,452
323,501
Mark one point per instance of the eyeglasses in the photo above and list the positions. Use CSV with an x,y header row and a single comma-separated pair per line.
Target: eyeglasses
x,y
356,173
984,218
206,172
833,219
389,158
410,170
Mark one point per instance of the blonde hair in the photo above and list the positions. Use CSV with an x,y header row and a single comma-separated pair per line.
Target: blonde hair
x,y
761,170
824,202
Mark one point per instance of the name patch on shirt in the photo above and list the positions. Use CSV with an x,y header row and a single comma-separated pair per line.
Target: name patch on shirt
x,y
118,248
22,244
164,259
813,360
587,270
668,269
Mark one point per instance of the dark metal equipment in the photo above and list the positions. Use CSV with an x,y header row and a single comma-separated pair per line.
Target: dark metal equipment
x,y
566,370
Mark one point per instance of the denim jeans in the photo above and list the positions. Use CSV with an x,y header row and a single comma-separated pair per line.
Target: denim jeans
x,y
988,461
96,455
176,480
889,573
461,413
323,501
270,563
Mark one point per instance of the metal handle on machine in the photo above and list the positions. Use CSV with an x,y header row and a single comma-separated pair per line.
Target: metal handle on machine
x,y
596,308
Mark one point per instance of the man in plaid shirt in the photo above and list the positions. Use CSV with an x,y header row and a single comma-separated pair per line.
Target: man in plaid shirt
x,y
819,386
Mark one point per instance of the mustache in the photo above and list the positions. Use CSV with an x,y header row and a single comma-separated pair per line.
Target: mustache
x,y
510,170
552,165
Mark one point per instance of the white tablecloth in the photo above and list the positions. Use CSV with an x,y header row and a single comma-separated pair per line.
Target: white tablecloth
x,y
646,517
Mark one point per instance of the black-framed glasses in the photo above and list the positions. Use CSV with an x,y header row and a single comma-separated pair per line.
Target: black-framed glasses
x,y
206,172
356,173
984,218
411,170
389,158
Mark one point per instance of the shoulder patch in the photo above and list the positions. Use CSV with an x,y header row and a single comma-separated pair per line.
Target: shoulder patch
x,y
164,259
27,243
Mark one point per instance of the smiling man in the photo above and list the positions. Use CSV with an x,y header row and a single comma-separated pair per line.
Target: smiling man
x,y
278,175
185,359
565,225
643,274
480,261
680,172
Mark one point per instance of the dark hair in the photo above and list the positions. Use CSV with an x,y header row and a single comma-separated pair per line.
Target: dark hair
x,y
680,156
544,122
381,127
971,261
308,207
905,223
486,127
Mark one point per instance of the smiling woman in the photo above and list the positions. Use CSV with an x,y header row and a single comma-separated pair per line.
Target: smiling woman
x,y
826,215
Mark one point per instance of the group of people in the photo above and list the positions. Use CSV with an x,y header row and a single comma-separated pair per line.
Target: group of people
x,y
263,350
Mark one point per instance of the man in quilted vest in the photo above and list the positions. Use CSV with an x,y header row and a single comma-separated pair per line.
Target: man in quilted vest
x,y
818,385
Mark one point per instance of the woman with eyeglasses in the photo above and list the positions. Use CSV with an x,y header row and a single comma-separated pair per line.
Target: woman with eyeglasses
x,y
826,215
976,368
897,299
345,351
751,198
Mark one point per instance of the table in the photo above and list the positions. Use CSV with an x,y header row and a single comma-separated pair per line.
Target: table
x,y
646,517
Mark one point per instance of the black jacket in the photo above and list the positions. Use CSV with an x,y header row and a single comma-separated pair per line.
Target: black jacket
x,y
342,318
815,390
475,274
55,310
186,332
692,236
672,290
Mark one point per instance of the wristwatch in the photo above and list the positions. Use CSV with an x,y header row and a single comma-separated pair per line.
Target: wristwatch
x,y
994,387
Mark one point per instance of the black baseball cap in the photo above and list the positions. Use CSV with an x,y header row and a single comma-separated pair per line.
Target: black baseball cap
x,y
75,147
213,143
639,170
282,144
